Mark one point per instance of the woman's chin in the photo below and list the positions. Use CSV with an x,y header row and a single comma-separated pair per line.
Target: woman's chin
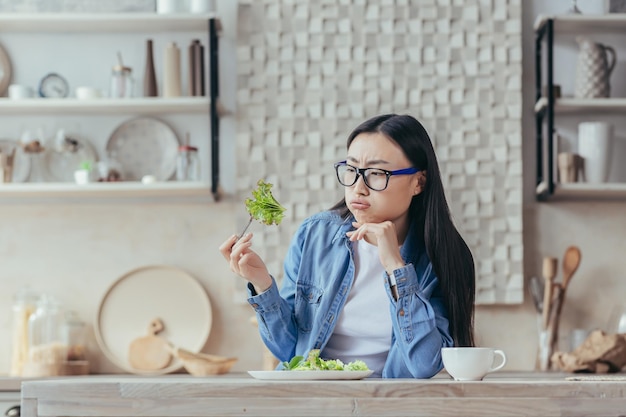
x,y
362,217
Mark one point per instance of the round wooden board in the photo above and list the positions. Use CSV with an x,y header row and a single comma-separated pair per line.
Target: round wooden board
x,y
138,297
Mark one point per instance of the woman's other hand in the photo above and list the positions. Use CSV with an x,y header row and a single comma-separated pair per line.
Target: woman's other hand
x,y
384,236
245,262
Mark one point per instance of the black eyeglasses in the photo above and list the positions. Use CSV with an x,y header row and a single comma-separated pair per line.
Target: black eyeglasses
x,y
375,178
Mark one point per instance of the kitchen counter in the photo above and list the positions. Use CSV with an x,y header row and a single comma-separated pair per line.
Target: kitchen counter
x,y
14,383
500,394
9,383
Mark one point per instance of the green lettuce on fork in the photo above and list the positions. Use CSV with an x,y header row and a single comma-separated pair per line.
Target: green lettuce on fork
x,y
313,362
263,207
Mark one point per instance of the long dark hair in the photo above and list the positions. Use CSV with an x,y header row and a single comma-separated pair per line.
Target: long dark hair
x,y
449,254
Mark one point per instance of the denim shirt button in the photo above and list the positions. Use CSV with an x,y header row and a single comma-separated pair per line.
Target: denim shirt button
x,y
255,305
401,313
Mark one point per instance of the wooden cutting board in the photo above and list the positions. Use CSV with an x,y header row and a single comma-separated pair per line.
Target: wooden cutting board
x,y
150,352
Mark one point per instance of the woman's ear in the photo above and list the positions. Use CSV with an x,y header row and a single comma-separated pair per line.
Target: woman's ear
x,y
421,182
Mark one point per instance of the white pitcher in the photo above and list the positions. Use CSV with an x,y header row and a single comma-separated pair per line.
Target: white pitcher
x,y
594,68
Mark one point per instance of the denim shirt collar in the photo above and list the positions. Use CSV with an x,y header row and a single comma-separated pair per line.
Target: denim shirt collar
x,y
344,227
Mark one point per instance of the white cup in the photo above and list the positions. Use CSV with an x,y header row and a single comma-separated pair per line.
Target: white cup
x,y
595,146
201,6
18,91
170,6
86,93
471,363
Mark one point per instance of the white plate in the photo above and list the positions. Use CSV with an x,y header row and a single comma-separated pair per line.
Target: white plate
x,y
21,161
144,294
62,164
144,146
5,71
309,375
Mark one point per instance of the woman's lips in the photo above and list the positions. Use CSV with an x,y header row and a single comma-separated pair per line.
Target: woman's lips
x,y
359,205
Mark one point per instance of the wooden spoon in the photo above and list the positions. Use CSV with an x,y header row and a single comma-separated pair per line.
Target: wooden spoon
x,y
571,261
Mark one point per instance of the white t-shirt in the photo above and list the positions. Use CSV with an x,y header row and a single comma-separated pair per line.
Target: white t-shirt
x,y
363,329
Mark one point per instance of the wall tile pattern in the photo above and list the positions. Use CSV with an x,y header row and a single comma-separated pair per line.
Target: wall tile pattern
x,y
309,72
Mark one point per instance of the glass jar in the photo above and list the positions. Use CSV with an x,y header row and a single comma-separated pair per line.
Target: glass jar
x,y
110,169
24,305
46,344
38,169
121,82
74,337
187,164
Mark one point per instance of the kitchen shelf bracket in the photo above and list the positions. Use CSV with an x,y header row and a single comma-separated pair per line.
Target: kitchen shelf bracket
x,y
213,106
545,164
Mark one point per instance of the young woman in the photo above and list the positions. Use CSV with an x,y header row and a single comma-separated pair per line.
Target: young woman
x,y
383,276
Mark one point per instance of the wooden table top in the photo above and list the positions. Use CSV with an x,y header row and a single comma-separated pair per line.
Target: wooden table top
x,y
499,394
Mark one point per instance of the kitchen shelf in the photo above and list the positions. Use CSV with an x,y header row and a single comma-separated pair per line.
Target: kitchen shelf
x,y
104,22
134,23
144,106
582,105
586,191
547,106
582,23
123,189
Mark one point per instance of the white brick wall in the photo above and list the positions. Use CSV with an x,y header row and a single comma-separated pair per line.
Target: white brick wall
x,y
311,71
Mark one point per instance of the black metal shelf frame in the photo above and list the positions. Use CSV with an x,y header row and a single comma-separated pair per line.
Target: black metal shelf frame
x,y
545,182
213,106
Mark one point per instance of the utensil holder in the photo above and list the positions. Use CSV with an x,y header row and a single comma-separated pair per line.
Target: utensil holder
x,y
549,336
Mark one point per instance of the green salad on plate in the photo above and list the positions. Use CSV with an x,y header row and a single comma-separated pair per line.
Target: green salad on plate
x,y
313,362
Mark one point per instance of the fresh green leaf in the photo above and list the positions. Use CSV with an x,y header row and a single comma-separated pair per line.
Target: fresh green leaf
x,y
264,207
293,362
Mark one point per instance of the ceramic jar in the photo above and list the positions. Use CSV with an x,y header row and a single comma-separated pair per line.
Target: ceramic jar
x,y
593,71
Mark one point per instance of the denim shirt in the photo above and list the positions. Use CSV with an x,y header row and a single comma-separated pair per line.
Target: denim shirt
x,y
318,274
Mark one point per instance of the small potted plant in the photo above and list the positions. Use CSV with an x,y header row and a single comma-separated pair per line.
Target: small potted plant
x,y
83,174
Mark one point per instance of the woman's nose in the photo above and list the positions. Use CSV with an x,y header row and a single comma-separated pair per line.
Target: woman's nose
x,y
359,186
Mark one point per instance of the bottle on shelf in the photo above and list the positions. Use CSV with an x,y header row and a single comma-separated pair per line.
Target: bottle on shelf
x,y
171,71
187,162
149,81
191,64
196,69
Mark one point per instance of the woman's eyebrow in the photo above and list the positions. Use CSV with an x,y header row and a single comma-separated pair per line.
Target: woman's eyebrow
x,y
370,162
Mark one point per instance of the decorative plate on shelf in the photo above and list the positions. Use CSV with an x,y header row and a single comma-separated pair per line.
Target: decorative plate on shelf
x,y
5,71
62,163
144,146
21,160
134,300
